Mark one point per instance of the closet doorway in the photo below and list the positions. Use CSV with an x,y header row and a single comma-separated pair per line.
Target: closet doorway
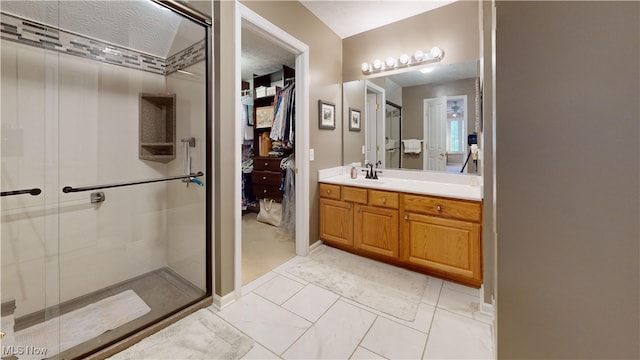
x,y
272,150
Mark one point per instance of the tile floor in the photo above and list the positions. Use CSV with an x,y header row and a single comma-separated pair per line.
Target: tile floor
x,y
290,318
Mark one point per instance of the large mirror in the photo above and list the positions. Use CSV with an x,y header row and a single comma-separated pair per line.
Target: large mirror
x,y
416,119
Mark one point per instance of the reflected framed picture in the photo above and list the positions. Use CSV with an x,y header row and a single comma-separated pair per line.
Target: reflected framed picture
x,y
354,119
326,114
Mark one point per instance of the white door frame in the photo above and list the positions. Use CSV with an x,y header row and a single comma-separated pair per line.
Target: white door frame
x,y
242,13
379,149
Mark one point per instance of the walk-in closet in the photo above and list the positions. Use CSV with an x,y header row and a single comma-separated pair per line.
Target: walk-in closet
x,y
268,154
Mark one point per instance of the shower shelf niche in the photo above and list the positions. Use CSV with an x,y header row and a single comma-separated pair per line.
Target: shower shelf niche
x,y
157,133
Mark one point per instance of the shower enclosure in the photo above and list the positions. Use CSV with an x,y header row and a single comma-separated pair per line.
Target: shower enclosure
x,y
105,120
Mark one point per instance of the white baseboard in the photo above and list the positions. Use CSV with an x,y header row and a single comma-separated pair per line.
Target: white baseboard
x,y
486,313
315,245
220,302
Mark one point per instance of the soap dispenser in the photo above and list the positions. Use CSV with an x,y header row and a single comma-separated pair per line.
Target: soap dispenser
x,y
354,172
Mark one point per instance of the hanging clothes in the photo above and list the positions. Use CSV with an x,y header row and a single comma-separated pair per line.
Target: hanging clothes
x,y
246,114
283,128
288,224
248,198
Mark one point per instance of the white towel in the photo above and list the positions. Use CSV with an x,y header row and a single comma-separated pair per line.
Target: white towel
x,y
412,146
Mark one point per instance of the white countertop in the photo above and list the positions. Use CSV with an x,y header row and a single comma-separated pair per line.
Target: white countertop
x,y
459,186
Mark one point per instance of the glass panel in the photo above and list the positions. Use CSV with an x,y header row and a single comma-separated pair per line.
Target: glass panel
x,y
109,99
29,153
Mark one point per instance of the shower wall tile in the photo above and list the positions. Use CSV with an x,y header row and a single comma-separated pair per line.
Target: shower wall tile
x,y
189,56
32,33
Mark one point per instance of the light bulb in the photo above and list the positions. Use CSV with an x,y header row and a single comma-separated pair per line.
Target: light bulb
x,y
404,59
436,52
419,55
365,67
390,62
377,64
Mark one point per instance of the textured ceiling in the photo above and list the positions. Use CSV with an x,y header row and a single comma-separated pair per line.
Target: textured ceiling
x,y
139,25
348,17
262,55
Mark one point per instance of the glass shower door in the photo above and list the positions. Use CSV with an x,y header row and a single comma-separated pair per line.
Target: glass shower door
x,y
28,181
104,111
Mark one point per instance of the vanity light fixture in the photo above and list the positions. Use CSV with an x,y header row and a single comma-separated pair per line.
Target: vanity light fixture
x,y
419,57
390,62
404,59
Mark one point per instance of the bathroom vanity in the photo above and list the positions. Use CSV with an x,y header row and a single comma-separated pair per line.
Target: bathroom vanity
x,y
427,222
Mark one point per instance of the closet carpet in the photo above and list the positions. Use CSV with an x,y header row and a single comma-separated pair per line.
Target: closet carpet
x,y
264,247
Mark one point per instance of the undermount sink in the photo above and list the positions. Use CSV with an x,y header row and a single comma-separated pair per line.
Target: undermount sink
x,y
363,180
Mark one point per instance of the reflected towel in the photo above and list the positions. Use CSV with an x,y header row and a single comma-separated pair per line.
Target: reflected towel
x,y
391,144
412,146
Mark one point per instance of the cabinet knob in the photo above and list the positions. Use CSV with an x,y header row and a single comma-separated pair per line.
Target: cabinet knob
x,y
438,207
266,164
349,207
329,191
264,191
384,200
358,209
406,217
264,178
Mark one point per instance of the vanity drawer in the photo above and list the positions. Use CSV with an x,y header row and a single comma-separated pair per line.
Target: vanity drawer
x,y
354,194
456,209
266,177
386,199
267,163
330,191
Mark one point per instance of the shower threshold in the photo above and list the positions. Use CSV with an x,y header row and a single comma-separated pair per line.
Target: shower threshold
x,y
163,290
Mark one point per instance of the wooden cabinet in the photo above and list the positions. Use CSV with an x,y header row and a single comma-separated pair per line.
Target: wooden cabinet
x,y
336,221
434,235
361,219
443,236
376,230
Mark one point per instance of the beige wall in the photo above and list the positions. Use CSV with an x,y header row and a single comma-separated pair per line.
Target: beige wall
x,y
454,28
567,176
325,76
413,110
352,141
224,158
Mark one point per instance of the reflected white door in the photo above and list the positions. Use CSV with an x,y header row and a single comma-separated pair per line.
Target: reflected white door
x,y
371,128
435,134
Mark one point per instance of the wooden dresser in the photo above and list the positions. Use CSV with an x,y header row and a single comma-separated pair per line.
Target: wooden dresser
x,y
266,178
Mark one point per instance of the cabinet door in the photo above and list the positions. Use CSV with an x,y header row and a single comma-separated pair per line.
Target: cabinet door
x,y
448,247
376,230
336,221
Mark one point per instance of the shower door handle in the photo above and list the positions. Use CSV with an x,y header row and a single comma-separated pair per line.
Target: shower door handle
x,y
33,192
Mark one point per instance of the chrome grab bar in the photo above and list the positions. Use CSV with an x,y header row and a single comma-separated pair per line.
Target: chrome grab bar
x,y
69,189
33,192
